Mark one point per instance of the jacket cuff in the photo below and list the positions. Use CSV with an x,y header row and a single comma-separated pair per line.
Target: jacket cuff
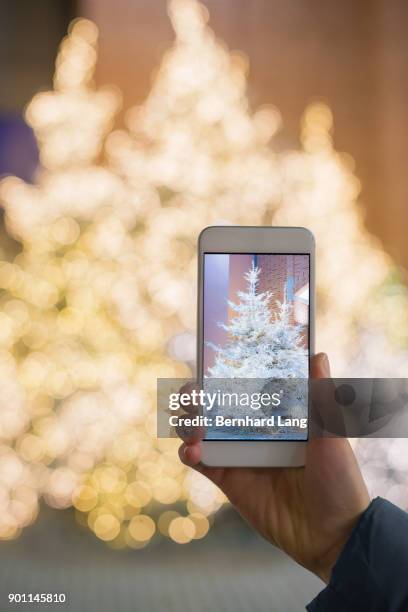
x,y
353,585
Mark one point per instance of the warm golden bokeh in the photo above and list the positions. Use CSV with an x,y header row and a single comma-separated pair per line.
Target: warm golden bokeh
x,y
100,301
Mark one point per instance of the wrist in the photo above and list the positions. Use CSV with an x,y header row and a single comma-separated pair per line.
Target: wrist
x,y
325,564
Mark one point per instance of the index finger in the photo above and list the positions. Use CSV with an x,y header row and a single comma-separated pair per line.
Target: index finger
x,y
190,405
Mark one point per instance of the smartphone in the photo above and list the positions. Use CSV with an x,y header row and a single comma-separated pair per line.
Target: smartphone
x,y
271,270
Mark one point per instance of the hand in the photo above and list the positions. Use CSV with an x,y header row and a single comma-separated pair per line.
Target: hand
x,y
308,512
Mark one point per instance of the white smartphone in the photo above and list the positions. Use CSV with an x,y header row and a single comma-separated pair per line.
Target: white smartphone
x,y
277,265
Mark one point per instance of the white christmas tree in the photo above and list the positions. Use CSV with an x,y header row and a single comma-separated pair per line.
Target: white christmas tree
x,y
290,356
259,345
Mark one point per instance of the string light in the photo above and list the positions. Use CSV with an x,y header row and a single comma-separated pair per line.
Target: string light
x,y
99,302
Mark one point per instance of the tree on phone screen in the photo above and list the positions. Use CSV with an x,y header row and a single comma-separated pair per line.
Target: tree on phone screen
x,y
260,344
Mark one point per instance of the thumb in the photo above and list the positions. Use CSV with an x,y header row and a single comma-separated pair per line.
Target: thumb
x,y
320,366
324,415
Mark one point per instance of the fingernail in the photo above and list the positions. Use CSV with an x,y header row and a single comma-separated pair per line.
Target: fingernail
x,y
325,362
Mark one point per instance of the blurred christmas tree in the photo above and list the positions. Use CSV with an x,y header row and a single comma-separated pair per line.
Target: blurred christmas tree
x,y
82,342
99,301
357,283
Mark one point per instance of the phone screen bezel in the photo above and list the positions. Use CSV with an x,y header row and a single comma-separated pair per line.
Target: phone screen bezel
x,y
253,240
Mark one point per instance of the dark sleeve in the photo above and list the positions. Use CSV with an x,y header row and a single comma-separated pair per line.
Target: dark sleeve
x,y
371,573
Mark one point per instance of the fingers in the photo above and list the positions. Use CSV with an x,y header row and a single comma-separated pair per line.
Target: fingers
x,y
188,431
190,450
320,366
330,461
188,390
325,417
190,454
189,428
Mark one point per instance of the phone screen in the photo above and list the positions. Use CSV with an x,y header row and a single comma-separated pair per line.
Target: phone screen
x,y
256,310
